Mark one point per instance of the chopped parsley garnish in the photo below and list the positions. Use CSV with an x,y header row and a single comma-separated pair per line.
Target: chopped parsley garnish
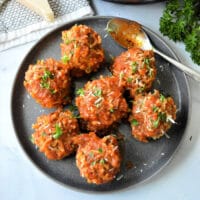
x,y
140,90
80,92
68,41
58,132
129,79
52,91
100,150
73,108
147,61
156,123
65,59
162,97
161,117
112,110
44,79
134,66
134,122
121,75
47,74
155,108
102,161
94,163
97,92
45,84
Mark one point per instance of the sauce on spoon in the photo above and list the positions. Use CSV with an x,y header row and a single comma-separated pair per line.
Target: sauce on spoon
x,y
127,33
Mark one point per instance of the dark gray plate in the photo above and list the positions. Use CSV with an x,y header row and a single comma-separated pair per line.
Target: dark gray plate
x,y
147,159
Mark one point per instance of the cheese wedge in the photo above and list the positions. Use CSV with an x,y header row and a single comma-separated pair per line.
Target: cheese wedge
x,y
41,7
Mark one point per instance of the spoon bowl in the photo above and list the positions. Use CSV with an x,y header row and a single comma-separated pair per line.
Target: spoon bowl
x,y
128,34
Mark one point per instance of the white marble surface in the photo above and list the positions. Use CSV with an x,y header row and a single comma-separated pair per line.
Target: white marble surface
x,y
19,179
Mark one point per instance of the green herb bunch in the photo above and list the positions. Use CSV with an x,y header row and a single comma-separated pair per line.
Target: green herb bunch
x,y
181,22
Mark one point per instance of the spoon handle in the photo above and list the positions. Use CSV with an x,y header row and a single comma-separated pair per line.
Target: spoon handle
x,y
192,73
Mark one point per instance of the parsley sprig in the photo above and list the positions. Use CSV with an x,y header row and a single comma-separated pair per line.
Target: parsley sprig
x,y
180,22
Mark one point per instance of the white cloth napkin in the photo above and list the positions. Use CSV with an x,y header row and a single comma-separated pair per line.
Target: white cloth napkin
x,y
19,25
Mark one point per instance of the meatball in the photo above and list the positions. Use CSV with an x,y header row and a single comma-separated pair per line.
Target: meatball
x,y
136,70
48,82
54,132
152,115
101,103
81,49
98,159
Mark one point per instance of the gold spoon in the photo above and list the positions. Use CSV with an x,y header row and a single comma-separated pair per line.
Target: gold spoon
x,y
129,34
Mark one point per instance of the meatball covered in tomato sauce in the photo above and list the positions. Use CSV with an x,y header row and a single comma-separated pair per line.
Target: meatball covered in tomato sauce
x,y
48,82
54,132
101,103
98,159
81,49
152,115
135,69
